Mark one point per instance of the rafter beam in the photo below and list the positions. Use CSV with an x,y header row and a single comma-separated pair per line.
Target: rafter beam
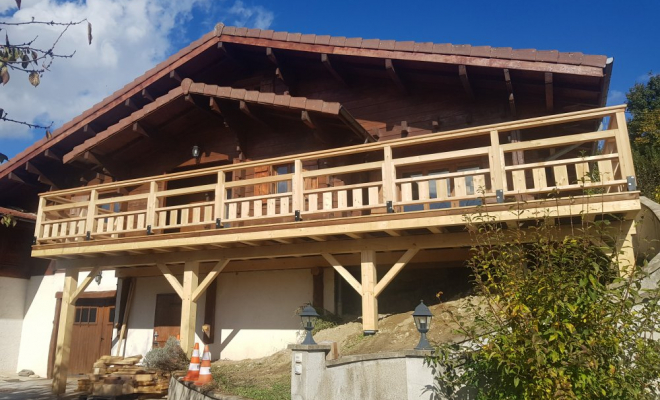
x,y
281,71
52,155
85,283
143,130
217,269
325,60
147,95
394,271
130,104
404,129
343,272
549,96
41,177
89,131
175,76
509,89
176,285
394,76
245,109
462,73
307,119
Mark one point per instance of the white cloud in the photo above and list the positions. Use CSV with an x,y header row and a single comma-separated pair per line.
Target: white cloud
x,y
130,37
615,97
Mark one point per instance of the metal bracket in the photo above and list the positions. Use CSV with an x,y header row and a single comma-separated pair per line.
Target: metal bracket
x,y
632,183
34,240
88,236
368,333
499,194
149,232
390,208
297,216
218,223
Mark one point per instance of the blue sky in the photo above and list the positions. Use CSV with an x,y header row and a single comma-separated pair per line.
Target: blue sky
x,y
125,44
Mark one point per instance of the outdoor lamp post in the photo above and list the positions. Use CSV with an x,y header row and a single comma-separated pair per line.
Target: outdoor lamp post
x,y
422,317
308,316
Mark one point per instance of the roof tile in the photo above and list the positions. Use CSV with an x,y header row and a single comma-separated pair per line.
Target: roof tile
x,y
387,44
426,47
461,49
266,34
241,31
229,30
252,95
280,36
322,39
238,93
442,48
293,37
353,42
223,91
480,51
314,105
524,54
331,107
253,33
298,102
501,52
337,40
404,46
594,61
547,55
219,28
307,39
570,58
282,100
266,98
370,43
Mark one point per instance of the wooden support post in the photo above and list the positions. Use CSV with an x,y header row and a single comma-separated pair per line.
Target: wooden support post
x,y
623,144
496,161
389,176
624,248
91,211
189,306
70,293
151,205
219,202
40,218
369,300
298,187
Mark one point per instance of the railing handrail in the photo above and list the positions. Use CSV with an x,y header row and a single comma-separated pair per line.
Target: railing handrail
x,y
414,140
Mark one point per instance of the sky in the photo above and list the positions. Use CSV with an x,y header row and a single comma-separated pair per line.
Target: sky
x,y
131,36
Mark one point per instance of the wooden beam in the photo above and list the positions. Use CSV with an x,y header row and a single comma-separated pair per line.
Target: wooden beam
x,y
41,177
52,155
189,306
89,131
107,164
625,254
549,101
143,130
85,283
64,332
343,272
147,95
509,89
307,119
369,299
214,106
245,109
130,104
281,71
217,269
175,76
394,271
171,279
404,129
325,60
462,73
394,76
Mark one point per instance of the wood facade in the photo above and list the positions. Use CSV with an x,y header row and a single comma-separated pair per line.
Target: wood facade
x,y
320,152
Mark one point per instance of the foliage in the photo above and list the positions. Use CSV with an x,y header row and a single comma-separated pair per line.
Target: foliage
x,y
326,319
168,358
31,59
644,108
647,169
7,220
556,320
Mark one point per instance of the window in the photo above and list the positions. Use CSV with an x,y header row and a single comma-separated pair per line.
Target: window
x,y
86,315
111,315
283,187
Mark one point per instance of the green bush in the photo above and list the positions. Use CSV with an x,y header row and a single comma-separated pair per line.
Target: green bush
x,y
647,168
555,321
168,358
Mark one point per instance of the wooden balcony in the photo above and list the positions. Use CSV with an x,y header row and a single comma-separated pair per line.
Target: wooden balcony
x,y
560,166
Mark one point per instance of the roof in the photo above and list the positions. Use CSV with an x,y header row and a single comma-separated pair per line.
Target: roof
x,y
497,57
225,93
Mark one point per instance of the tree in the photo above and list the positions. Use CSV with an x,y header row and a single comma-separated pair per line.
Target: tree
x,y
554,320
30,59
644,128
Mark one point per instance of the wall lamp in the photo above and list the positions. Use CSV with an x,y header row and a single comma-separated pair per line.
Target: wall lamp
x,y
308,316
422,317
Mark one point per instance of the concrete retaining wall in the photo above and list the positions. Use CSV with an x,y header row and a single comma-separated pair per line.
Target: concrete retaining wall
x,y
385,376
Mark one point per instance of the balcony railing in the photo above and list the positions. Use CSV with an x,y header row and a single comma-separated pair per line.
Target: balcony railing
x,y
558,155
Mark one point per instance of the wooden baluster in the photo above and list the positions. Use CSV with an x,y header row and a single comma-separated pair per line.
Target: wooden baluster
x,y
373,195
258,205
174,215
605,171
231,215
327,201
441,189
478,185
185,215
582,172
342,199
423,190
285,205
162,220
519,180
46,233
141,219
357,198
130,222
270,207
460,187
540,179
406,192
245,209
196,214
561,175
91,211
110,227
313,202
208,213
220,192
297,187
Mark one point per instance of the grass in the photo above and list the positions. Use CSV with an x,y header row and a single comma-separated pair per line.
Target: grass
x,y
229,383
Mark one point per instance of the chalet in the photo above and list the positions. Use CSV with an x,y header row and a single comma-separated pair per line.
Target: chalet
x,y
255,171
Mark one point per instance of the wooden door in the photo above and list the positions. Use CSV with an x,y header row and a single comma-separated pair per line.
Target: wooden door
x,y
92,333
167,319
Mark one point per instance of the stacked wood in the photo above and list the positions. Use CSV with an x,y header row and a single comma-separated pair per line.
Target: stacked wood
x,y
120,376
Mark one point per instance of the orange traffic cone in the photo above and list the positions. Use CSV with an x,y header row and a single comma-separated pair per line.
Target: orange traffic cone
x,y
205,370
193,369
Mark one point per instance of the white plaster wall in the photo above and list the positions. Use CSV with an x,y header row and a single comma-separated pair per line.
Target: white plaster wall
x,y
39,316
255,312
329,289
12,303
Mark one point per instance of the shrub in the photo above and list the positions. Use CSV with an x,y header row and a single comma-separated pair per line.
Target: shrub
x,y
168,358
556,320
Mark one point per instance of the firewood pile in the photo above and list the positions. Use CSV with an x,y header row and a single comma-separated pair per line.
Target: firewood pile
x,y
120,376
